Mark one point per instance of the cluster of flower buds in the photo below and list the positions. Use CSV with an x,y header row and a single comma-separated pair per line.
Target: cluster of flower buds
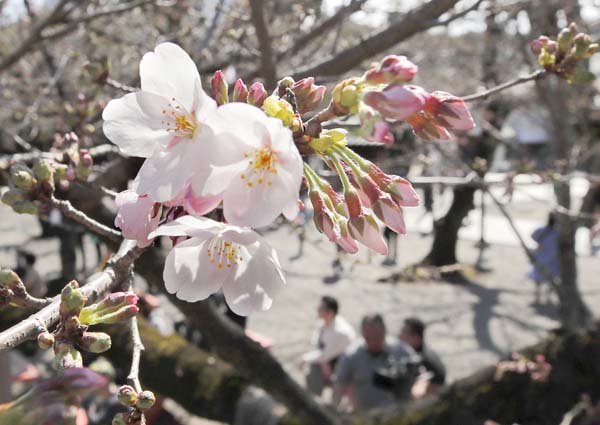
x,y
255,95
129,397
538,369
76,163
368,193
566,55
75,320
380,96
31,187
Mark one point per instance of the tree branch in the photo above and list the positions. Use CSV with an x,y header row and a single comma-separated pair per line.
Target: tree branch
x,y
94,289
323,28
34,36
415,21
268,70
537,75
74,214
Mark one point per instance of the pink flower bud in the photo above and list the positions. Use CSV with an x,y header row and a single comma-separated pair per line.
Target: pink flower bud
x,y
220,88
397,102
323,216
240,91
308,95
257,94
392,69
449,111
537,44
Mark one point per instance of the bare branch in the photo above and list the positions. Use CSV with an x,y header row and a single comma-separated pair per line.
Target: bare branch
x,y
537,75
321,29
74,214
457,15
94,289
413,22
35,35
73,25
268,69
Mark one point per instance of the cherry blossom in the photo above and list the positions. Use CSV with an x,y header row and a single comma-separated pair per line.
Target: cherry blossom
x,y
264,173
166,122
220,256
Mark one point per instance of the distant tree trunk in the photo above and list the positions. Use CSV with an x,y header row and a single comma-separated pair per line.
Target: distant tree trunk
x,y
554,94
445,230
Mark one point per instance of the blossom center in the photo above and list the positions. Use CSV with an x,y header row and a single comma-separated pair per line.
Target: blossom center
x,y
261,166
179,121
224,254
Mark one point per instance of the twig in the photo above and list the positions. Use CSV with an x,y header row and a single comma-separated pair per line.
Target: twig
x,y
268,70
34,36
537,75
413,22
457,15
94,289
133,378
73,25
74,214
96,152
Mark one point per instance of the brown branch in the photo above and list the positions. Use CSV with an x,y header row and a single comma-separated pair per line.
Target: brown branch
x,y
457,15
268,69
413,22
537,75
74,24
94,289
28,157
74,214
35,35
323,28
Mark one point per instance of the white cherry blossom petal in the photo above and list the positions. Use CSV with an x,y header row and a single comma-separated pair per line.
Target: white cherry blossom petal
x,y
134,123
170,72
255,288
189,274
198,227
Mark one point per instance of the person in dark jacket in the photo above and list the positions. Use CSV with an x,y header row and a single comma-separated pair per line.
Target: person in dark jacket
x,y
413,333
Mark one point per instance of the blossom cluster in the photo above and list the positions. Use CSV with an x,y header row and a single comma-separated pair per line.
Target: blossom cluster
x,y
201,154
237,160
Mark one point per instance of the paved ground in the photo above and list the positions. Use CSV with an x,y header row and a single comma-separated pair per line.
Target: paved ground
x,y
469,325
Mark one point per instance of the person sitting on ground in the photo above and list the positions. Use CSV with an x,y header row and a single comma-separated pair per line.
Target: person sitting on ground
x,y
547,263
333,336
413,333
376,371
